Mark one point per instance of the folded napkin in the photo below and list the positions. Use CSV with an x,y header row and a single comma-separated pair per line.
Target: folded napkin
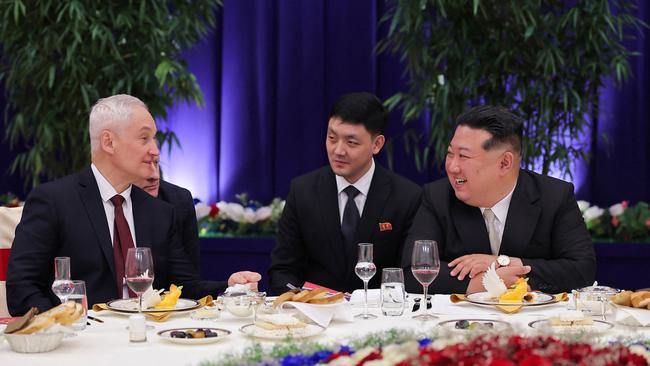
x,y
159,316
321,314
374,297
508,309
631,316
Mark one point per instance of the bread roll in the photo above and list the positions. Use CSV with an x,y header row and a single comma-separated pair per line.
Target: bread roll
x,y
640,299
623,298
287,296
338,297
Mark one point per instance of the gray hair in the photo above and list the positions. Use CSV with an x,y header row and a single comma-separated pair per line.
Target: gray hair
x,y
110,113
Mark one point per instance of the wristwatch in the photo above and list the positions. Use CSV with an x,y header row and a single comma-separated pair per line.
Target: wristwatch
x,y
503,260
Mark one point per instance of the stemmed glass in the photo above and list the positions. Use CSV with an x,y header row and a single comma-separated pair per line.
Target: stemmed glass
x,y
62,285
365,270
425,265
138,271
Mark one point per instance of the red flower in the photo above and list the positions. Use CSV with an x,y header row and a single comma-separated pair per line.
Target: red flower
x,y
375,355
615,221
647,222
625,203
214,210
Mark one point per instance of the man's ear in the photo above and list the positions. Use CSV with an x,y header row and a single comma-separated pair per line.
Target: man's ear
x,y
107,141
377,143
507,161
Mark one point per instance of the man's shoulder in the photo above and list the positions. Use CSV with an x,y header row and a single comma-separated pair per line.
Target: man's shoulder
x,y
313,177
544,184
440,187
170,192
62,187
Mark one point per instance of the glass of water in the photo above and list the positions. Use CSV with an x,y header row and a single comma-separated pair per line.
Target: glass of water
x,y
365,270
62,285
78,295
393,296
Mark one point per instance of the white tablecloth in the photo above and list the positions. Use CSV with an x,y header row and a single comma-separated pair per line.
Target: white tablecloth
x,y
108,343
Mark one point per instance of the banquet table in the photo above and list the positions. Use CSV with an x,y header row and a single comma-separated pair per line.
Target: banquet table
x,y
108,343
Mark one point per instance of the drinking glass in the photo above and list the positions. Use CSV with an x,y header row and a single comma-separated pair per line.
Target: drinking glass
x,y
78,295
425,265
139,271
365,270
393,295
62,285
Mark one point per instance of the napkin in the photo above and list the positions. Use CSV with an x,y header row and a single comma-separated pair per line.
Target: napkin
x,y
374,297
158,316
631,316
321,314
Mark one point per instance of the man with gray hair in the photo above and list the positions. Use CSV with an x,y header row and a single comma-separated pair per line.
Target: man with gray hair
x,y
96,215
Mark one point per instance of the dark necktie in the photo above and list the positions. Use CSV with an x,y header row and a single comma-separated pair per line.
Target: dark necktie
x,y
122,241
350,216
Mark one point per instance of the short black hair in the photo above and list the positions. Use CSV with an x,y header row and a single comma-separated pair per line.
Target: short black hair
x,y
504,126
361,108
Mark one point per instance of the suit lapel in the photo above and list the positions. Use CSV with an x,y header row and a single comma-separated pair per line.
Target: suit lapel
x,y
92,201
522,218
329,204
470,227
138,200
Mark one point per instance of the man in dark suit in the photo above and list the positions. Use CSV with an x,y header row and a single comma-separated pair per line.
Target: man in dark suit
x,y
489,210
94,216
182,201
321,226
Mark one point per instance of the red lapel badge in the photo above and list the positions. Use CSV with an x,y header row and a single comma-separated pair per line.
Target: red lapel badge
x,y
385,226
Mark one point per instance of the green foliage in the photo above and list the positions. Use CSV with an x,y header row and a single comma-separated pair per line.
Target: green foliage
x,y
545,59
58,57
634,223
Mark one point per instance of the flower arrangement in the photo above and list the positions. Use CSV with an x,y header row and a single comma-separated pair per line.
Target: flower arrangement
x,y
621,222
244,218
407,348
10,200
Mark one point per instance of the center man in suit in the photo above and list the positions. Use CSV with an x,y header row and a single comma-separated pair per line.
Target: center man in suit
x,y
489,210
352,200
94,216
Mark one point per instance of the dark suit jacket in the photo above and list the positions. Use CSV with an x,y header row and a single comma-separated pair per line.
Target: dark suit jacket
x,y
310,245
66,218
188,230
544,228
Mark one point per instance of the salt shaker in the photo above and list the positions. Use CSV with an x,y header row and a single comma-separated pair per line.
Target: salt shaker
x,y
137,328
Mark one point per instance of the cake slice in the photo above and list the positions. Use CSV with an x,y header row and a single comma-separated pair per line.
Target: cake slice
x,y
279,321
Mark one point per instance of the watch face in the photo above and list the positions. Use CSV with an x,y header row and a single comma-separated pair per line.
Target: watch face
x,y
503,260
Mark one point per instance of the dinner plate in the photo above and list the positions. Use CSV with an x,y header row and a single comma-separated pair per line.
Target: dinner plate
x,y
290,304
221,335
256,332
129,306
598,326
484,298
497,325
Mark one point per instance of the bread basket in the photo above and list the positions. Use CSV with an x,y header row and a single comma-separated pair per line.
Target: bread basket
x,y
34,343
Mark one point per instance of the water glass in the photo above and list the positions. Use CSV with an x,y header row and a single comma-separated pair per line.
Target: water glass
x,y
78,295
393,296
62,285
365,270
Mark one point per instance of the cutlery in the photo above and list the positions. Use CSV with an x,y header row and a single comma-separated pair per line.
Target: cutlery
x,y
95,319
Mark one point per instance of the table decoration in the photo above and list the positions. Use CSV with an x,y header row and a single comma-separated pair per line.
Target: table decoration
x,y
405,347
480,299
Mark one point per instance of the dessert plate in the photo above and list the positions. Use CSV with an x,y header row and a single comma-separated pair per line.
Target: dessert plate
x,y
129,306
484,298
483,325
278,334
221,335
598,326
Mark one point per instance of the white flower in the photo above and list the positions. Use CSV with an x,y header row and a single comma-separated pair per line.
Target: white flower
x,y
249,216
593,212
263,213
202,210
616,209
441,79
232,211
583,205
493,283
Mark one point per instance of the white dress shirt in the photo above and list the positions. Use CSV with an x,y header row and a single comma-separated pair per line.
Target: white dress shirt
x,y
363,185
500,210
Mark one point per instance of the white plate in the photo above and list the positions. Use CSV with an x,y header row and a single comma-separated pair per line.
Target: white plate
x,y
484,298
129,306
166,335
598,326
309,331
498,325
319,306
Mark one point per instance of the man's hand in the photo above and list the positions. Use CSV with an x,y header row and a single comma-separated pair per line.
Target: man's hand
x,y
509,275
245,278
471,264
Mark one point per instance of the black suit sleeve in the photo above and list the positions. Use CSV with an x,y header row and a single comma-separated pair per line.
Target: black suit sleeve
x,y
190,232
574,261
427,226
288,259
30,263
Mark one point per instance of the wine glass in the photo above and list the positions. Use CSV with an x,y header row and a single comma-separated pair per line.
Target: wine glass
x,y
62,285
365,270
138,271
425,265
